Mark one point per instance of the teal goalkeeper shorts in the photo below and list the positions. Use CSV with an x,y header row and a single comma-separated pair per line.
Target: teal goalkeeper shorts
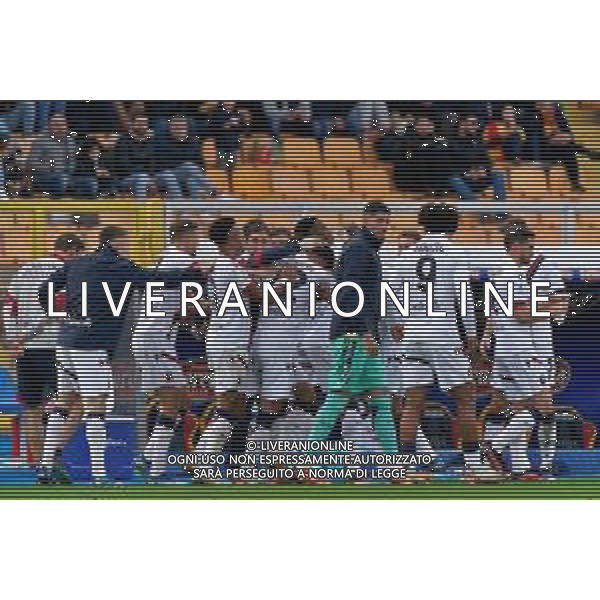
x,y
352,370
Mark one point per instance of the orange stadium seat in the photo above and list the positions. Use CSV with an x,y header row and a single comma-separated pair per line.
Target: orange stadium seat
x,y
371,180
528,180
16,235
209,152
257,149
588,228
330,181
369,155
559,182
546,226
252,181
342,151
220,177
291,182
300,151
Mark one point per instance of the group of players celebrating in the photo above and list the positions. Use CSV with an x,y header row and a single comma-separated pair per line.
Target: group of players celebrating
x,y
302,377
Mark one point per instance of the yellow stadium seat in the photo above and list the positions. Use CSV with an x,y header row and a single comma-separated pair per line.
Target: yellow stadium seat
x,y
300,151
330,181
291,182
252,181
342,151
371,180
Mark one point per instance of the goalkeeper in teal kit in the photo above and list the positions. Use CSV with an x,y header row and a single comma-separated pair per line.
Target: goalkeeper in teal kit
x,y
356,367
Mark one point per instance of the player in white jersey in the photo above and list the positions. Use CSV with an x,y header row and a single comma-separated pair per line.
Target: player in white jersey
x,y
310,361
524,362
162,378
391,334
281,410
432,349
32,336
228,337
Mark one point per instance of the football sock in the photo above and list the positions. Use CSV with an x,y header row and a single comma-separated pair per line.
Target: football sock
x,y
547,441
95,429
423,444
158,445
57,424
357,427
516,436
215,435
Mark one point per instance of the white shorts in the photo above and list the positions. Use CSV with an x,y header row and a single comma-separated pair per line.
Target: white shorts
x,y
522,376
159,371
86,371
231,371
276,375
393,375
423,365
312,364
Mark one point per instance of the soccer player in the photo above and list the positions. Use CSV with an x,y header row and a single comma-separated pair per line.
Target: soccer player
x,y
275,344
391,336
356,366
32,336
310,339
87,342
228,337
154,344
431,346
524,363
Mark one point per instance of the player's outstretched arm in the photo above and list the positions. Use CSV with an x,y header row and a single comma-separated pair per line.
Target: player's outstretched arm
x,y
140,276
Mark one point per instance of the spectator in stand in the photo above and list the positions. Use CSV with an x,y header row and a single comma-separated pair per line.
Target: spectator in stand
x,y
504,137
96,116
159,113
106,166
556,143
83,183
258,121
52,160
14,168
136,156
178,163
293,117
424,166
472,172
330,116
369,115
228,124
45,109
392,144
133,109
17,116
